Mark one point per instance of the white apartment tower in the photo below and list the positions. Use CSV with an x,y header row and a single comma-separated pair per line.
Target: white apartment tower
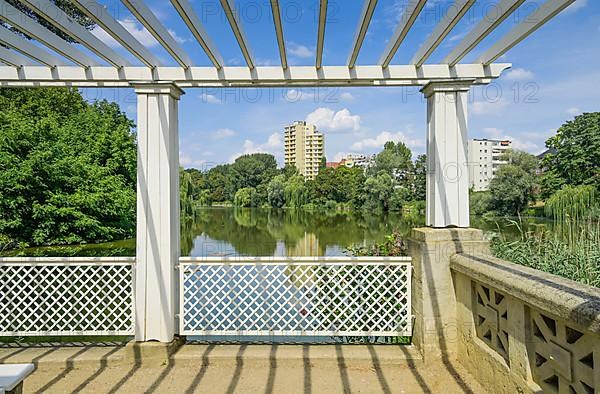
x,y
485,157
304,147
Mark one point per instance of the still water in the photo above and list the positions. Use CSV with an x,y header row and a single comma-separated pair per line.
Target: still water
x,y
279,232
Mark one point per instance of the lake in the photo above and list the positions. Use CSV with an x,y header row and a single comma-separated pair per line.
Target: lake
x,y
280,232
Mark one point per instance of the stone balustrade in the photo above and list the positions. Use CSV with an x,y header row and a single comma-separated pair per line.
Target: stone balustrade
x,y
522,330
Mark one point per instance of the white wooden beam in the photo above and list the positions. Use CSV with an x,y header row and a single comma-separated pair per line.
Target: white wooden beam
x,y
321,32
59,19
361,31
523,29
101,15
14,58
409,15
27,25
24,46
502,11
236,26
394,75
147,18
443,28
279,31
189,16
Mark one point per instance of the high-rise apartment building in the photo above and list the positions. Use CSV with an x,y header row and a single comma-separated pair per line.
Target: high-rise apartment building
x,y
485,157
304,147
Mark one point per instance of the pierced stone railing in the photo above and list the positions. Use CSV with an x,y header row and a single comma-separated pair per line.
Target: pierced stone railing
x,y
65,296
522,330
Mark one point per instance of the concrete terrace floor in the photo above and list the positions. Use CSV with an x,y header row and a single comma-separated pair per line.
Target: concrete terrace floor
x,y
239,369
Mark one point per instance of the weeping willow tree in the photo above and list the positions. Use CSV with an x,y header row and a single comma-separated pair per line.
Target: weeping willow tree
x,y
572,207
572,203
186,196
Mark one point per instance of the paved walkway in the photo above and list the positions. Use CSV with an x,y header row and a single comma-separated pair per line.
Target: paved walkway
x,y
240,369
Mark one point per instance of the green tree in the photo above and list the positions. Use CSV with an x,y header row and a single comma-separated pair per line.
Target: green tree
x,y
340,184
252,170
245,197
526,161
67,168
186,195
378,191
296,192
276,192
396,161
217,180
575,154
511,190
420,179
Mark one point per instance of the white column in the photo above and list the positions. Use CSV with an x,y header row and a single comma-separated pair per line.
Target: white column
x,y
157,248
447,166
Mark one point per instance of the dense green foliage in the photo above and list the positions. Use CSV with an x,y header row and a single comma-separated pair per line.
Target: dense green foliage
x,y
574,157
391,183
512,189
67,168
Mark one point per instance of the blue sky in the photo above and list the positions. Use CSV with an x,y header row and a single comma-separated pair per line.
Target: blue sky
x,y
555,76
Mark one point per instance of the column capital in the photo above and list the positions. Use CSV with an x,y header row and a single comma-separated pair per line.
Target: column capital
x,y
446,86
157,87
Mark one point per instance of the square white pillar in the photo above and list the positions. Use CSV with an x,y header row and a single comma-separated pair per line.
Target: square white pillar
x,y
447,166
157,241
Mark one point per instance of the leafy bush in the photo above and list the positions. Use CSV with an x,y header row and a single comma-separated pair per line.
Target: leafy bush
x,y
394,245
480,202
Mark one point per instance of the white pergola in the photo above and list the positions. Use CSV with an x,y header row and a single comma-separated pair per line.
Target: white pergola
x,y
55,62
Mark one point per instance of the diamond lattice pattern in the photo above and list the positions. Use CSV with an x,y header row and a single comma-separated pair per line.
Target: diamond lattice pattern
x,y
288,299
67,299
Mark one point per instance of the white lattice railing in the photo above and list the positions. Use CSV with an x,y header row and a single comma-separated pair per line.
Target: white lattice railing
x,y
326,296
66,296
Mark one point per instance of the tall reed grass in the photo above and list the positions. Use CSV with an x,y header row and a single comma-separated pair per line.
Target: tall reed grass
x,y
571,249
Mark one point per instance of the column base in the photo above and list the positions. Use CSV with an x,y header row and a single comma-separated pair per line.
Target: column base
x,y
155,353
433,296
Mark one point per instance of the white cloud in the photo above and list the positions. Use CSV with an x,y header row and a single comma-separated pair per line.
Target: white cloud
x,y
210,99
223,133
187,161
577,5
485,107
574,111
519,74
300,50
139,32
103,36
132,26
328,120
347,96
385,136
295,95
272,145
178,38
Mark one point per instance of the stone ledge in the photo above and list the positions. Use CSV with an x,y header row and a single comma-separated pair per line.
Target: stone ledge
x,y
429,234
564,298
